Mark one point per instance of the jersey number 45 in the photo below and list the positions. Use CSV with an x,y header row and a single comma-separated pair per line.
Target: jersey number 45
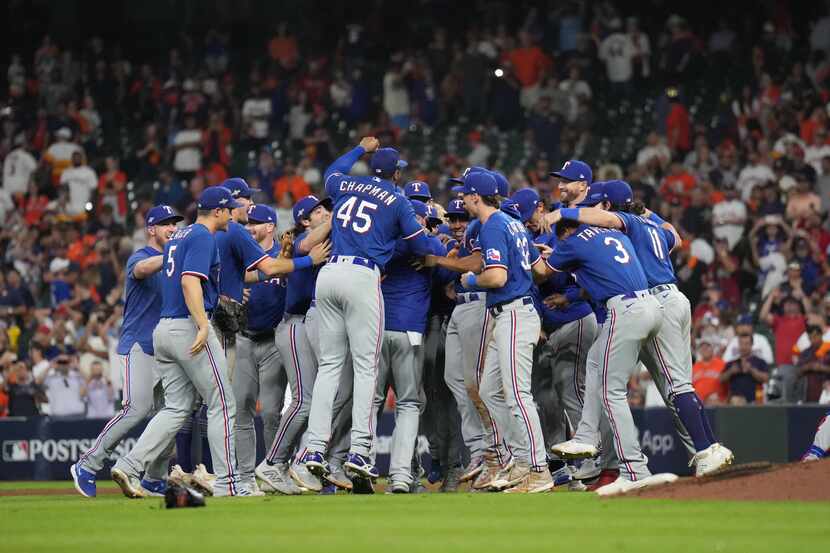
x,y
362,220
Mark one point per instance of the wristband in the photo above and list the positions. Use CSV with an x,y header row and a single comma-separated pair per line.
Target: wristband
x,y
471,281
303,262
260,276
571,213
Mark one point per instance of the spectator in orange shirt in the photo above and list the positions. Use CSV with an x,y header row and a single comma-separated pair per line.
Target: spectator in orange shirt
x,y
678,185
706,375
678,124
282,47
529,64
291,182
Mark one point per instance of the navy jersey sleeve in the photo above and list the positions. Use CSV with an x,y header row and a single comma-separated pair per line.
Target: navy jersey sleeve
x,y
198,255
493,242
563,256
248,249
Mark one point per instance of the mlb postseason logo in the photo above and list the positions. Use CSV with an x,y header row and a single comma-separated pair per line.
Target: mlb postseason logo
x,y
493,254
51,450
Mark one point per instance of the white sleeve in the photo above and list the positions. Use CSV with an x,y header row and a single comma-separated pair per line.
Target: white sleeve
x,y
731,351
765,349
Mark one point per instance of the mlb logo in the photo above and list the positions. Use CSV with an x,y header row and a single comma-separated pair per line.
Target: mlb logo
x,y
15,451
493,255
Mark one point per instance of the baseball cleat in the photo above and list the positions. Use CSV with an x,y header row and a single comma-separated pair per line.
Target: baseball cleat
x,y
337,477
815,453
360,466
240,490
621,485
452,480
153,488
202,478
711,460
473,469
129,485
304,478
574,450
397,487
316,463
606,476
178,476
277,479
589,468
577,486
84,481
485,478
509,477
561,476
534,482
252,487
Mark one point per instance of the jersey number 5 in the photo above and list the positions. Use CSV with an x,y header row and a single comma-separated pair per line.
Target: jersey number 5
x,y
363,222
171,265
623,257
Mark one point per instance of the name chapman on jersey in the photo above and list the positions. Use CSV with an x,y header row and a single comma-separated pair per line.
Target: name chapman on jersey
x,y
60,450
378,192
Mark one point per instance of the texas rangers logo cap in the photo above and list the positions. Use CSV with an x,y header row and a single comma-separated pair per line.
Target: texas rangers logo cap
x,y
159,214
575,170
303,208
417,189
456,208
509,206
217,197
239,187
261,213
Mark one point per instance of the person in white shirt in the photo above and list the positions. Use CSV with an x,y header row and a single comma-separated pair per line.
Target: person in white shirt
x,y
80,181
814,153
256,113
63,384
729,217
59,153
188,147
18,168
396,97
754,174
618,53
98,393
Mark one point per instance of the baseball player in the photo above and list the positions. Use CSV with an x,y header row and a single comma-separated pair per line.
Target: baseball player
x,y
508,256
668,353
259,373
369,216
418,190
606,266
406,302
142,306
313,224
820,448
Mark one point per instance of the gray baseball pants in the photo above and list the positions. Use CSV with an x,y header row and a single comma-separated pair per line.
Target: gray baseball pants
x,y
401,367
506,381
259,375
350,306
186,379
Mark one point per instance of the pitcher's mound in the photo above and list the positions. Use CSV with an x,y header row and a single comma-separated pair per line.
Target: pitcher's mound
x,y
753,482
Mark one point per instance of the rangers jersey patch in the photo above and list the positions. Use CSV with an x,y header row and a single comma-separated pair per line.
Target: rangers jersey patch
x,y
493,254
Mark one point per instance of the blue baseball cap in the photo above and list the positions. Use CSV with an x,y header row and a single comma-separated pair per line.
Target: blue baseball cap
x,y
482,183
385,161
526,200
215,197
467,171
261,213
432,214
303,208
161,214
420,208
238,187
594,195
575,170
503,186
417,189
510,207
618,192
456,207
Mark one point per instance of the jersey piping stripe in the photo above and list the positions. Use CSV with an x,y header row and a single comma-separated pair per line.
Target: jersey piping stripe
x,y
499,265
114,420
612,319
253,265
226,428
538,259
551,267
195,273
413,235
534,461
298,395
664,367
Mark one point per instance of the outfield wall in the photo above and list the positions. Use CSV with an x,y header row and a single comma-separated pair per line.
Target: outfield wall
x,y
41,448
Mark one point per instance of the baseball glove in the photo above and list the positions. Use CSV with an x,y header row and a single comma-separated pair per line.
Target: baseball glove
x,y
178,495
228,318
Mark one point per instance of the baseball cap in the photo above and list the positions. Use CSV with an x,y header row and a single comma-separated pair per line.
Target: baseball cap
x,y
238,187
526,201
617,192
744,319
482,183
216,197
467,171
417,189
574,170
261,213
503,186
385,161
595,194
303,208
432,214
456,207
420,208
510,207
161,214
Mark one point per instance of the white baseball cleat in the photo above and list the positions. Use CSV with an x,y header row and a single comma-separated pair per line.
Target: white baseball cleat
x,y
277,479
622,485
590,468
130,485
304,479
574,450
711,460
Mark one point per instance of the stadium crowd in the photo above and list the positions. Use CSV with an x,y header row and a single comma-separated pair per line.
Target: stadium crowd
x,y
89,140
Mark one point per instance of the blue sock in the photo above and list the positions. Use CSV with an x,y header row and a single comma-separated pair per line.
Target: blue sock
x,y
184,440
710,434
201,421
690,411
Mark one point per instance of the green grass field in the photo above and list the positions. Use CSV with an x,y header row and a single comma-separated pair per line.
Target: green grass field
x,y
561,521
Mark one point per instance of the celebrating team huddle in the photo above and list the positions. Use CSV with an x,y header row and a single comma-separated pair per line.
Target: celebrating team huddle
x,y
338,311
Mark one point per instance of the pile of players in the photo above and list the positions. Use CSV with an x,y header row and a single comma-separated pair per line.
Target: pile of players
x,y
565,303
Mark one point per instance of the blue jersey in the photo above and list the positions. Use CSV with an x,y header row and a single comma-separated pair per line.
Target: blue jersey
x,y
239,253
603,260
505,243
407,292
652,247
560,283
300,290
191,251
266,303
142,305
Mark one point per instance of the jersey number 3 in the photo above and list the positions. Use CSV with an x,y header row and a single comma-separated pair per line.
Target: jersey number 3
x,y
623,257
362,222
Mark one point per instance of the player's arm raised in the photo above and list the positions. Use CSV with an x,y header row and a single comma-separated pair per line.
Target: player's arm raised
x,y
192,290
148,267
